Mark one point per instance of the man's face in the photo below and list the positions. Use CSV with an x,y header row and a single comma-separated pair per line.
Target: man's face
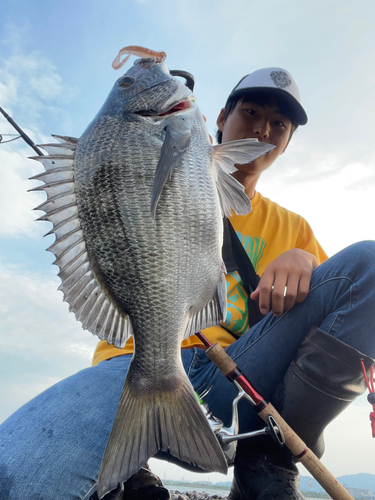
x,y
267,124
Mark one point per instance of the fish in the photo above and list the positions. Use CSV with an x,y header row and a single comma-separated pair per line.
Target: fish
x,y
136,205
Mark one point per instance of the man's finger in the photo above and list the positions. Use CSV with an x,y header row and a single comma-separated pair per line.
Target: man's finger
x,y
303,288
291,292
278,293
265,289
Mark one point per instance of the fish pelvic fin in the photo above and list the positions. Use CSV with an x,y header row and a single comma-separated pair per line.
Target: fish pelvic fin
x,y
171,422
213,313
81,285
176,142
231,192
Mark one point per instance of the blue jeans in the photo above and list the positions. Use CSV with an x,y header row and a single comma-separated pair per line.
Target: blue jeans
x,y
52,447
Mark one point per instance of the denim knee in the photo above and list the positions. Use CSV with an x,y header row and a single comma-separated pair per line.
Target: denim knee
x,y
363,253
360,259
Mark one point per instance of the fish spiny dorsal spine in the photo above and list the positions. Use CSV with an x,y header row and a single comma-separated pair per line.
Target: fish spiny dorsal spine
x,y
80,285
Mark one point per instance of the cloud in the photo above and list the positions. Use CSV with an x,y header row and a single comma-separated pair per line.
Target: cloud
x,y
15,34
33,78
34,313
31,88
31,92
40,341
16,204
336,200
300,165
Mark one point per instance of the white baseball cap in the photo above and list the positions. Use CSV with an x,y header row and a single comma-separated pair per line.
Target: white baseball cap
x,y
276,80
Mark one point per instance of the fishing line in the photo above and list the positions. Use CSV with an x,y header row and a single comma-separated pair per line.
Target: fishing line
x,y
25,159
10,140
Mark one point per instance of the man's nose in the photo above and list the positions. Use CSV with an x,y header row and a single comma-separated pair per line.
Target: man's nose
x,y
262,128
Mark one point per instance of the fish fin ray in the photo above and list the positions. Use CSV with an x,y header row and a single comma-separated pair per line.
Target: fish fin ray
x,y
82,287
222,293
52,162
225,156
66,139
231,195
242,151
164,417
174,146
211,314
63,147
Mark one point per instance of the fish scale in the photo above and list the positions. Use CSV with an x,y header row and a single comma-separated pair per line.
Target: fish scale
x,y
136,206
143,233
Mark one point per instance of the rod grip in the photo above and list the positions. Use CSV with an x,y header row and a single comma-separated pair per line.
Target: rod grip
x,y
221,359
310,461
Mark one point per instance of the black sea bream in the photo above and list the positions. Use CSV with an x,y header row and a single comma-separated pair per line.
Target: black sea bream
x,y
137,205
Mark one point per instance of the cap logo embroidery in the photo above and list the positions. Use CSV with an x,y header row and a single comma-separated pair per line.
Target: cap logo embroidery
x,y
280,79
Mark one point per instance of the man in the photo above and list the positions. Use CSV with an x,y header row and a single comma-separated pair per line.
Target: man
x,y
315,388
64,430
283,250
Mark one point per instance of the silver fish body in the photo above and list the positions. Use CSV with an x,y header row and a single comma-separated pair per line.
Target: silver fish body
x,y
162,271
137,205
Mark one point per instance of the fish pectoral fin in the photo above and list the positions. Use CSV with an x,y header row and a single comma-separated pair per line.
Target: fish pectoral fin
x,y
231,192
244,151
170,421
231,195
176,142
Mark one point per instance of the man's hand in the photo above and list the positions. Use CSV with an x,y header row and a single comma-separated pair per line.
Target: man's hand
x,y
285,281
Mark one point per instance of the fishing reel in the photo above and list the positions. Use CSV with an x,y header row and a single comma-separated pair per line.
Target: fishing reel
x,y
229,436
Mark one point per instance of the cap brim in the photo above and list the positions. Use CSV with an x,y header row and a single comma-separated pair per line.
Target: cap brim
x,y
298,114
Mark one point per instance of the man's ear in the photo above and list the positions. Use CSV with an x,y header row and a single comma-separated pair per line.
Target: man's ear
x,y
294,128
287,144
220,120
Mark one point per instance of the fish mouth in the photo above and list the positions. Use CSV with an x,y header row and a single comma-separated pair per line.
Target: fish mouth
x,y
180,101
181,106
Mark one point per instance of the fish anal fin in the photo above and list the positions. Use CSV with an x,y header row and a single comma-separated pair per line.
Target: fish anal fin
x,y
158,421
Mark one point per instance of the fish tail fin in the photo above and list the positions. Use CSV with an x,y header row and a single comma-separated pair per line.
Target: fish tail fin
x,y
144,424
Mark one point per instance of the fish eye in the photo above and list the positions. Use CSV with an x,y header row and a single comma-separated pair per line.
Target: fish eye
x,y
127,81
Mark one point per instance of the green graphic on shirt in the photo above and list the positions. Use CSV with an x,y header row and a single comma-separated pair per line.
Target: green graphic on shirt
x,y
236,320
237,313
254,248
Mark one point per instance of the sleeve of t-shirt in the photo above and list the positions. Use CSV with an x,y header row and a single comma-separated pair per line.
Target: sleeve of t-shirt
x,y
306,241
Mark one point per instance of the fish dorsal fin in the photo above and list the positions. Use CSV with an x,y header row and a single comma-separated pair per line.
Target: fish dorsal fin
x,y
176,141
82,288
214,313
231,192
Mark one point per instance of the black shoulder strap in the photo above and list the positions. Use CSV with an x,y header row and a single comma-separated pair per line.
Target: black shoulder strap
x,y
236,259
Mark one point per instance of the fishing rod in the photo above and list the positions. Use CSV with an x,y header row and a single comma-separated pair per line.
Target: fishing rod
x,y
25,137
265,409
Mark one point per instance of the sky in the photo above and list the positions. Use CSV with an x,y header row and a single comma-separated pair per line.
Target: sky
x,y
55,73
